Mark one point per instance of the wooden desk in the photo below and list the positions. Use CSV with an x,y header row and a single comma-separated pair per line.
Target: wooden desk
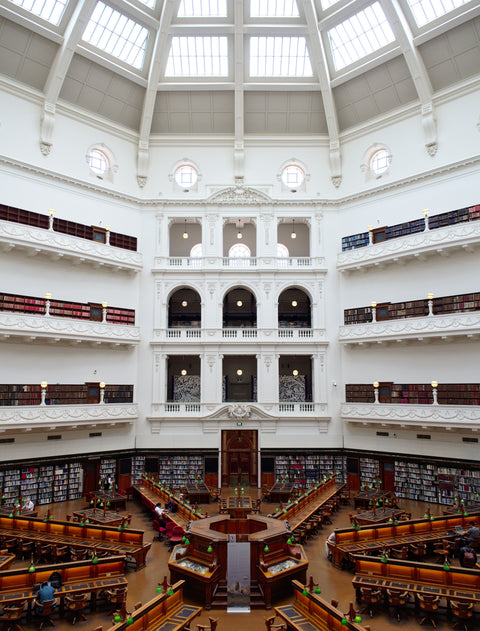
x,y
6,511
127,542
457,583
363,499
150,493
377,516
239,506
310,612
299,511
116,500
165,612
99,516
198,493
280,492
463,508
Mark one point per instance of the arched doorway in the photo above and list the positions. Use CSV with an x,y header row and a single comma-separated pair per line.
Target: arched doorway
x,y
239,458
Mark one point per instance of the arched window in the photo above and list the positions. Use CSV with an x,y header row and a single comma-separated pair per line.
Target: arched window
x,y
195,255
283,255
98,161
186,176
239,255
376,161
380,161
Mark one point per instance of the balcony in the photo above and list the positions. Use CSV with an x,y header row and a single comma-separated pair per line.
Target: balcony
x,y
423,329
220,263
59,246
50,329
242,412
416,247
238,335
426,417
33,418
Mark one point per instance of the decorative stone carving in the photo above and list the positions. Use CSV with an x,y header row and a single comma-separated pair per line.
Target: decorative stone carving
x,y
432,149
51,243
337,180
66,415
241,194
45,148
412,415
412,328
239,411
141,180
17,324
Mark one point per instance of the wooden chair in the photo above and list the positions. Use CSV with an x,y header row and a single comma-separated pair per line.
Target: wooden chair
x,y
397,600
271,626
59,553
44,611
463,611
399,553
372,599
212,627
429,606
116,598
42,552
75,605
11,614
418,551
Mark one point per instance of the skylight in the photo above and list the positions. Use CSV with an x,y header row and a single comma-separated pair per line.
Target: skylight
x,y
425,11
198,57
328,3
202,8
359,36
50,10
273,9
117,35
279,57
149,3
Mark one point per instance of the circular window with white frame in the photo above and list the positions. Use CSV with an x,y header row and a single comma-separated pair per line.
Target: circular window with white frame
x,y
293,176
376,162
185,176
101,162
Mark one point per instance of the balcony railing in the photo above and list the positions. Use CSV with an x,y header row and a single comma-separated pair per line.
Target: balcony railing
x,y
232,334
425,417
251,263
71,417
241,410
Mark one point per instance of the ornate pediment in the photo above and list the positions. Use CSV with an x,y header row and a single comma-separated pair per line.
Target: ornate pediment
x,y
240,412
239,195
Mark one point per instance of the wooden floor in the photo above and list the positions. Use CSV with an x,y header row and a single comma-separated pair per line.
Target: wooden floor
x,y
334,583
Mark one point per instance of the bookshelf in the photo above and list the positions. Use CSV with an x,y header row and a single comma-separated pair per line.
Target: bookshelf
x,y
355,241
45,484
11,486
196,468
449,218
61,394
369,471
359,393
17,215
138,468
28,483
402,229
75,481
108,468
455,304
17,394
358,315
60,483
458,394
118,394
305,470
416,394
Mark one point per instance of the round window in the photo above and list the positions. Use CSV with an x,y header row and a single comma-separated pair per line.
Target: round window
x,y
186,176
380,161
293,176
98,161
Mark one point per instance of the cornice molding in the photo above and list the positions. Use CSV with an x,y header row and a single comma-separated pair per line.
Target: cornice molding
x,y
58,245
411,246
318,204
467,324
52,416
49,328
438,417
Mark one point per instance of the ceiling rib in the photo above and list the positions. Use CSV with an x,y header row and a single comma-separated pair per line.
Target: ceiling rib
x,y
239,74
159,54
320,63
404,37
58,71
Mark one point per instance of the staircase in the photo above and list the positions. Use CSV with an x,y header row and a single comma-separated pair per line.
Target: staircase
x,y
220,596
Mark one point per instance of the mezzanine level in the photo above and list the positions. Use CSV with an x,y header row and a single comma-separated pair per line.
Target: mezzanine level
x,y
224,263
58,246
234,335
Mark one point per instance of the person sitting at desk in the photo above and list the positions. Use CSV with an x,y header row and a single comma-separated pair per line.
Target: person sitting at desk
x,y
473,532
29,505
159,511
46,592
467,556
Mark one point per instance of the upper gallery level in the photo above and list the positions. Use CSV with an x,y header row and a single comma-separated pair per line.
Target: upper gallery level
x,y
416,239
248,243
444,318
64,240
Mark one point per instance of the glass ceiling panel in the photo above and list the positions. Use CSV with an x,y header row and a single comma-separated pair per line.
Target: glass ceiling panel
x,y
425,11
50,10
149,3
273,9
359,36
198,57
202,8
328,3
279,57
117,35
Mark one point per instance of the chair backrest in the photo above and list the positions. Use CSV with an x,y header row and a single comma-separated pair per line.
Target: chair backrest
x,y
461,609
428,602
14,612
169,526
213,624
47,607
177,531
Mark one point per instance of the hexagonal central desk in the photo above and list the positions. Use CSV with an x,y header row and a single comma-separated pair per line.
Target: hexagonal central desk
x,y
202,561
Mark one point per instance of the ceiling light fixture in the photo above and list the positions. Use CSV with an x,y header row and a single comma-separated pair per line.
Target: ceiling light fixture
x,y
239,303
184,372
294,234
184,303
239,233
295,373
239,372
294,303
185,233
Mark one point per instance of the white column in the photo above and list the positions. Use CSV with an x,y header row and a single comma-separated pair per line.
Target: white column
x,y
159,381
211,377
163,236
212,238
319,378
267,377
267,235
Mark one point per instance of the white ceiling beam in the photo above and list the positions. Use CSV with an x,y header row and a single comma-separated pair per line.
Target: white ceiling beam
x,y
319,60
421,80
170,8
239,75
56,76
